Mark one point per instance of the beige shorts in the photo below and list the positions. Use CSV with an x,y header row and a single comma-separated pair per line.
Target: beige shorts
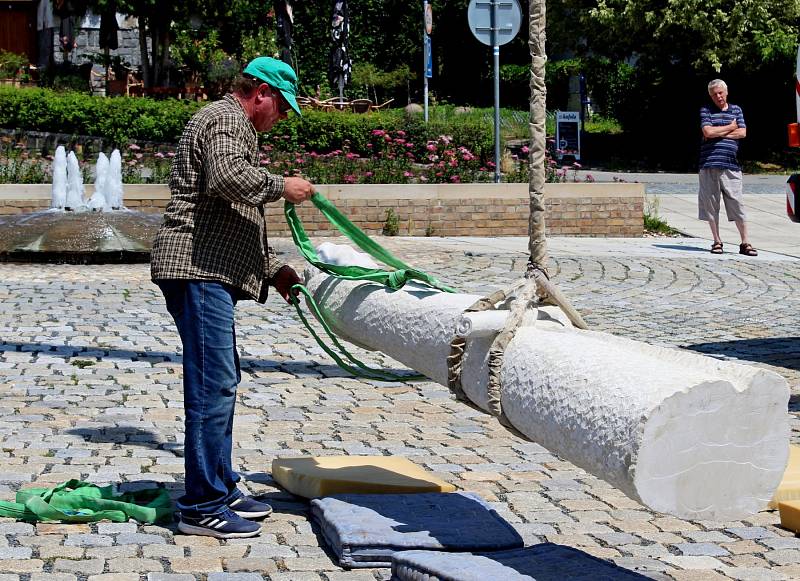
x,y
715,182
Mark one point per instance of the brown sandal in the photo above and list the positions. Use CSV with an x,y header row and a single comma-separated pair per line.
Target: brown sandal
x,y
747,249
716,248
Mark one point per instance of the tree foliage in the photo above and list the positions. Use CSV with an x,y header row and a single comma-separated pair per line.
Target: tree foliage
x,y
671,49
703,34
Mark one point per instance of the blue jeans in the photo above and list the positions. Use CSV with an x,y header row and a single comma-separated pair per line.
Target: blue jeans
x,y
203,313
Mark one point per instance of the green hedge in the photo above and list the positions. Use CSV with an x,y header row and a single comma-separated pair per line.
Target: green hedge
x,y
119,119
322,131
125,119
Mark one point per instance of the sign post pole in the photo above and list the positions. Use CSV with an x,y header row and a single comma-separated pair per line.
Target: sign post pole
x,y
496,63
495,22
426,50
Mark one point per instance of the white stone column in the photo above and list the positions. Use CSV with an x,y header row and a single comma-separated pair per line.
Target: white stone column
x,y
684,434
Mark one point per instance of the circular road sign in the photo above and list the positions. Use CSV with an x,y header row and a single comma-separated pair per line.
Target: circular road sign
x,y
428,18
509,18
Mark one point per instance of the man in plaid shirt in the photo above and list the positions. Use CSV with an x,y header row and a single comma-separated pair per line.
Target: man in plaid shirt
x,y
210,252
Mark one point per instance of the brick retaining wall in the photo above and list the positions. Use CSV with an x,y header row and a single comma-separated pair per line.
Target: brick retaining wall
x,y
437,209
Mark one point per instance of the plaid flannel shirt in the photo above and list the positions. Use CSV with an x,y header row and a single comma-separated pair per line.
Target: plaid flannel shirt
x,y
214,226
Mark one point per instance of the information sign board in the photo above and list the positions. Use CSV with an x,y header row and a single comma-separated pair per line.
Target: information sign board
x,y
568,134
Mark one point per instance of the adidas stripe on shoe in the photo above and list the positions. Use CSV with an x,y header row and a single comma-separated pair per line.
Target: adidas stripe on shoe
x,y
249,507
223,525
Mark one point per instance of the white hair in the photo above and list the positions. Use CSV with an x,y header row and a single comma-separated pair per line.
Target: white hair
x,y
717,83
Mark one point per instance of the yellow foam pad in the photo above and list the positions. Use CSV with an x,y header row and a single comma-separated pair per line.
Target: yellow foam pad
x,y
789,488
790,514
313,477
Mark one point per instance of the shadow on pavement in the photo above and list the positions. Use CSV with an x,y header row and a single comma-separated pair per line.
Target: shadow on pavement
x,y
294,366
127,435
778,351
682,247
543,562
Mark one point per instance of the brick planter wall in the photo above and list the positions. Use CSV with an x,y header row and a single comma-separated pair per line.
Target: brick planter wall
x,y
437,209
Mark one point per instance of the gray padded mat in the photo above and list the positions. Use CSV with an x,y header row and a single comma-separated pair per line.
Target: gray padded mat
x,y
364,530
545,562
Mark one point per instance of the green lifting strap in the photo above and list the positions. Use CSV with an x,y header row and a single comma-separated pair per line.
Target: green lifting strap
x,y
75,501
391,278
394,279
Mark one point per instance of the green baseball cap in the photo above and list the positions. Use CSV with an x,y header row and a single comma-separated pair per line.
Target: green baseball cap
x,y
276,74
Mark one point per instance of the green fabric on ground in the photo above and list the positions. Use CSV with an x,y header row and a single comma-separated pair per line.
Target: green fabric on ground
x,y
76,501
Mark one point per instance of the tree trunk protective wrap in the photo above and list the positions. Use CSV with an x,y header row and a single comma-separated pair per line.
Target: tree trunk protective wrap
x,y
536,156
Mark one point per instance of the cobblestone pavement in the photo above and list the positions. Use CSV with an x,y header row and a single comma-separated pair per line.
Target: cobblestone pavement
x,y
90,389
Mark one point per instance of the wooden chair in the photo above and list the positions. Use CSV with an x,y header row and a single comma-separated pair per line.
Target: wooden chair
x,y
382,105
335,103
361,105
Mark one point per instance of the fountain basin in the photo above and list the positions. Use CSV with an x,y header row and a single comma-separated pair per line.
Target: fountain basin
x,y
56,236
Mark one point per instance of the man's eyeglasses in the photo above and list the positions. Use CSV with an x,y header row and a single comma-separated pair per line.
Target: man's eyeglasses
x,y
283,104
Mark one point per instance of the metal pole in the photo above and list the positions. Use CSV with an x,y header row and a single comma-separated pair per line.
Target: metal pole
x,y
425,58
496,58
426,93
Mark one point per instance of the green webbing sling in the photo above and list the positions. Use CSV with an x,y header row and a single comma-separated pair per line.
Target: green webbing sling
x,y
76,501
392,278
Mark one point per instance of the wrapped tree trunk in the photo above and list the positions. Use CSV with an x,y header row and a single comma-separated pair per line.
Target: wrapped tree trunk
x,y
537,243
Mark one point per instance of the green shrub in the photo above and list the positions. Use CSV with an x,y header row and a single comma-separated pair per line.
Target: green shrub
x,y
11,63
118,119
124,119
391,227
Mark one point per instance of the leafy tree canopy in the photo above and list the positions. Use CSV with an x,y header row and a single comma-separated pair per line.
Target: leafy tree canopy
x,y
701,34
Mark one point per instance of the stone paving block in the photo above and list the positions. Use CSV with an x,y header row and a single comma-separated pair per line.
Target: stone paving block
x,y
235,577
84,566
701,549
112,528
685,562
708,537
701,575
53,577
22,565
309,564
52,552
139,539
196,565
88,540
752,574
15,553
751,532
124,565
272,551
351,576
247,564
295,576
16,528
613,538
114,577
783,556
781,542
222,552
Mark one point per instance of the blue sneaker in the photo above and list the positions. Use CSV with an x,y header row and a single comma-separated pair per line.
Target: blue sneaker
x,y
223,525
249,507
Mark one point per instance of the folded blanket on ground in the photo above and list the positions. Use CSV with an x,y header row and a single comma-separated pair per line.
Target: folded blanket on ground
x,y
364,530
545,562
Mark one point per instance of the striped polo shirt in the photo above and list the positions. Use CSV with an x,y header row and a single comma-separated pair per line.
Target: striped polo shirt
x,y
720,152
